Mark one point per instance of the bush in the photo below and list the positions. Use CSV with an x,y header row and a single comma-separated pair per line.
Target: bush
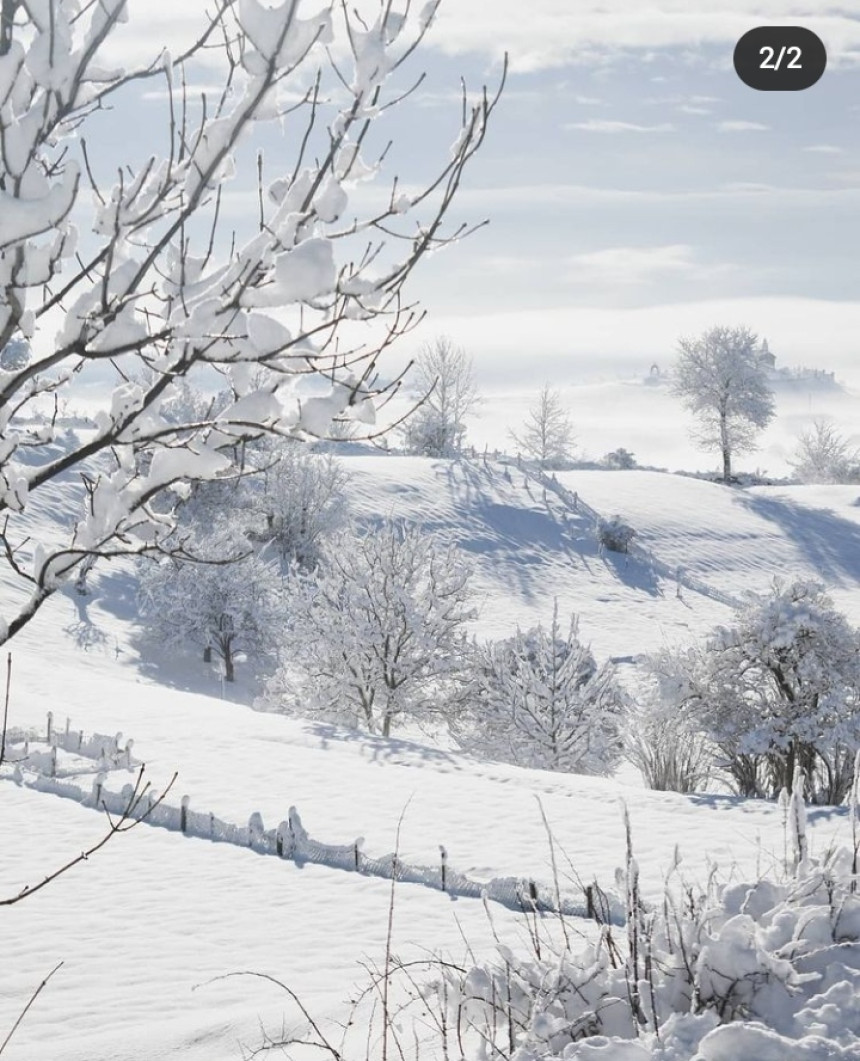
x,y
823,455
614,534
621,459
661,740
749,971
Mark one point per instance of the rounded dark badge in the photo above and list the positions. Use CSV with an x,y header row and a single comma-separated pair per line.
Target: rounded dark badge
x,y
780,58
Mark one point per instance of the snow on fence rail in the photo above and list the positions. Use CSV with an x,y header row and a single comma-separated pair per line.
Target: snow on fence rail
x,y
290,840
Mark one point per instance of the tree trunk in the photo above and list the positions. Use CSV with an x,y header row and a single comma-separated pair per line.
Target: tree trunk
x,y
227,655
725,447
207,654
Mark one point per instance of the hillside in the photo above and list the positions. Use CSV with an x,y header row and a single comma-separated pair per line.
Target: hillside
x,y
146,925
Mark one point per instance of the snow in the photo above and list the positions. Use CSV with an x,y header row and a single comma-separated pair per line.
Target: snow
x,y
147,925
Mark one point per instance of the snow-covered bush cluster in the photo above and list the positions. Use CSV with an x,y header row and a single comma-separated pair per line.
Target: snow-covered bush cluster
x,y
776,690
763,970
615,534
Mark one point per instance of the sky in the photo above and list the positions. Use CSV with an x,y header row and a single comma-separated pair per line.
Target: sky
x,y
636,189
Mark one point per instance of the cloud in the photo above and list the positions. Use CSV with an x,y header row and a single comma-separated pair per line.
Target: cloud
x,y
558,33
631,265
596,125
555,33
550,195
742,127
824,149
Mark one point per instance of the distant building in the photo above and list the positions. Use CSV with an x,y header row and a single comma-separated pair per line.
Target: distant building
x,y
799,374
765,357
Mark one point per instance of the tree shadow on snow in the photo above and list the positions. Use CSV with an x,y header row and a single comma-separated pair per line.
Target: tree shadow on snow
x,y
633,572
829,543
380,749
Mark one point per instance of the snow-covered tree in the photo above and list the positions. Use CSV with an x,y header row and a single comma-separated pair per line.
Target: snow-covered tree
x,y
223,598
157,289
302,502
824,455
721,380
541,700
547,435
780,689
375,634
445,378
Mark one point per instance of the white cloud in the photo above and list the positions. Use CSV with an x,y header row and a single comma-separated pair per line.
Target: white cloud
x,y
525,196
631,265
742,127
596,125
824,149
555,33
558,32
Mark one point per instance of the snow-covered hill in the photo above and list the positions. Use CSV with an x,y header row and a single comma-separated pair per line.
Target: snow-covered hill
x,y
144,926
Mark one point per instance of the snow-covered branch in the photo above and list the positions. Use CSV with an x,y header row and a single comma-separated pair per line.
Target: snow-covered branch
x,y
148,286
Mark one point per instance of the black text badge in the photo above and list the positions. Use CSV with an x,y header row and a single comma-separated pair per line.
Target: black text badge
x,y
780,58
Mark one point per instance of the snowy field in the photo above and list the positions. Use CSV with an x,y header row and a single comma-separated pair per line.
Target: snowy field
x,y
145,927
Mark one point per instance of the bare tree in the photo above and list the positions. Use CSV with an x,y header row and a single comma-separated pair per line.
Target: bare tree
x,y
721,380
547,435
160,292
445,376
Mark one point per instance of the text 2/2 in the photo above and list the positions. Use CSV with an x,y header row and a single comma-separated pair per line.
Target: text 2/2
x,y
773,60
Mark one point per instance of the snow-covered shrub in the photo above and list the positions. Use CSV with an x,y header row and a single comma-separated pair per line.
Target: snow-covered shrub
x,y
766,970
780,688
539,699
823,455
614,534
661,738
376,633
621,459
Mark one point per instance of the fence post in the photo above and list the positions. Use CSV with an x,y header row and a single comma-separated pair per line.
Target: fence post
x,y
589,902
54,761
50,727
444,855
211,825
183,814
